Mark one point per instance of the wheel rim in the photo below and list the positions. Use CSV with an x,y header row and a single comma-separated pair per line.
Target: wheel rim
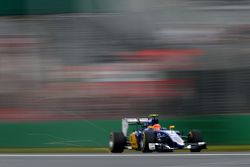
x,y
142,144
111,144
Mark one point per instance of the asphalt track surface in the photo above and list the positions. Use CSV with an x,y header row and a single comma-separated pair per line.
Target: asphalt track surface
x,y
225,159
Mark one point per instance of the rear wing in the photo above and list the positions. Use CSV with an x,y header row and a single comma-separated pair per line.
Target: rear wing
x,y
132,121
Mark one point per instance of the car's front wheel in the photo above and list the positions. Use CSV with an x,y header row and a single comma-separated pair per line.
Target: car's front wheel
x,y
195,136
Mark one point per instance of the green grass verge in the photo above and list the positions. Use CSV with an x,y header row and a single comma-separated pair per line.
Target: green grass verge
x,y
229,148
106,150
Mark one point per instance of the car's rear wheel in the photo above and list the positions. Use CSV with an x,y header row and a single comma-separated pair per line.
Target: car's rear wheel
x,y
117,142
147,137
195,136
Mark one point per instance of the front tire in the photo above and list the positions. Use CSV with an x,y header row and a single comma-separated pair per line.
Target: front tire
x,y
195,136
116,142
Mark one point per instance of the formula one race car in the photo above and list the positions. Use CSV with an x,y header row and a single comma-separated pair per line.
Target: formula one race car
x,y
149,136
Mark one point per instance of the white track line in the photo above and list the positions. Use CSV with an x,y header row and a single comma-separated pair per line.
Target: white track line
x,y
122,155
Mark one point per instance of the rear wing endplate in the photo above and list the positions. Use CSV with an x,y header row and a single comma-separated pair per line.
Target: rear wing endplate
x,y
132,121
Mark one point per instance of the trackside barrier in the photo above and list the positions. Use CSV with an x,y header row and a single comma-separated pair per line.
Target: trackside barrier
x,y
217,130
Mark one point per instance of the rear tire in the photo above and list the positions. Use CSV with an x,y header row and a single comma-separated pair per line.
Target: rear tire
x,y
117,142
195,136
147,137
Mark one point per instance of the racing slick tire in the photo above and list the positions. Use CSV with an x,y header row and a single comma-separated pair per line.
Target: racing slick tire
x,y
194,136
147,137
117,142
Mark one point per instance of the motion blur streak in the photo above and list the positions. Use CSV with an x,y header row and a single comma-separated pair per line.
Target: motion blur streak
x,y
140,160
116,58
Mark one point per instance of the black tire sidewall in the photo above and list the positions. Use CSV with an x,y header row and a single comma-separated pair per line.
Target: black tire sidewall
x,y
195,136
118,140
147,137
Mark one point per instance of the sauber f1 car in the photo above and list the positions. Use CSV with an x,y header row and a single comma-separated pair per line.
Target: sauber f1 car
x,y
149,136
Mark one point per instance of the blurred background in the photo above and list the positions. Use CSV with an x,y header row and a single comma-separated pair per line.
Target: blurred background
x,y
108,59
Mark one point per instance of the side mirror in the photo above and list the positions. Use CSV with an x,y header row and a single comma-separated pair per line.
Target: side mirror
x,y
171,127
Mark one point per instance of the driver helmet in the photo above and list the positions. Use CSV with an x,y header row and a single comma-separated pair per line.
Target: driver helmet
x,y
157,127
